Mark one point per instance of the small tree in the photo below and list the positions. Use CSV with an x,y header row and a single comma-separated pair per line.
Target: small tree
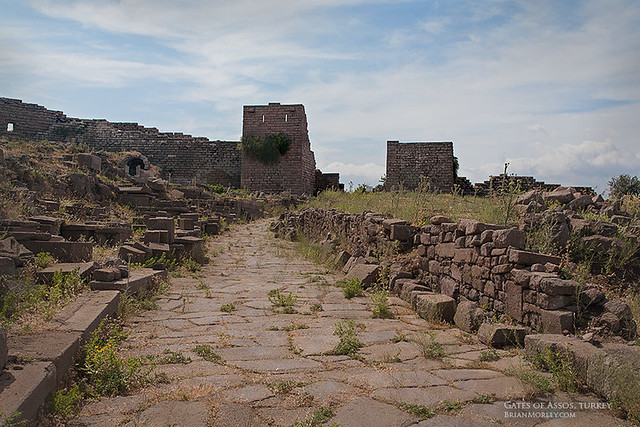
x,y
624,184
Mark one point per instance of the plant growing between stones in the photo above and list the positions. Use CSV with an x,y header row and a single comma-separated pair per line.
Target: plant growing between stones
x,y
429,347
380,301
206,352
349,343
351,287
417,410
318,418
227,308
489,355
277,299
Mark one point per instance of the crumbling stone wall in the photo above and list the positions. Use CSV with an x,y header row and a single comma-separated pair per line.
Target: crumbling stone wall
x,y
466,260
182,158
410,162
327,181
295,170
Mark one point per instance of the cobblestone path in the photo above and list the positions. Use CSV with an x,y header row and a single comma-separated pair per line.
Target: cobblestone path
x,y
276,369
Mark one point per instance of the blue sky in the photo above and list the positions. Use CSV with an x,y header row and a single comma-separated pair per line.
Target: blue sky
x,y
552,87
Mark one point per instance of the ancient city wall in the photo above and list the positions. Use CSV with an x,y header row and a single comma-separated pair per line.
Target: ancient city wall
x,y
183,158
466,260
410,162
295,170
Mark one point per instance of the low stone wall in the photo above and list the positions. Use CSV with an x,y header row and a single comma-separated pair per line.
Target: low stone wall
x,y
466,260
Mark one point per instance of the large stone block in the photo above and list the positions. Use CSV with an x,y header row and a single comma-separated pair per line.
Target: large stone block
x,y
529,258
367,273
514,300
556,321
501,335
446,250
449,287
402,232
433,306
62,251
468,316
509,237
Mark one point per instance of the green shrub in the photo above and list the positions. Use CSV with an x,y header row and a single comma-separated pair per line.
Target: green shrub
x,y
43,260
206,352
64,403
349,343
380,301
624,184
267,150
105,371
351,287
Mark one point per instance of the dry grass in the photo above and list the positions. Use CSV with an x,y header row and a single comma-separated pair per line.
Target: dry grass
x,y
417,207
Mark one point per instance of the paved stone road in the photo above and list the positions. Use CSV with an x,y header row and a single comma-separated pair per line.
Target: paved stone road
x,y
276,370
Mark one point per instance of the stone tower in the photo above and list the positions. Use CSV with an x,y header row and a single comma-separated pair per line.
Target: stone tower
x,y
295,170
410,162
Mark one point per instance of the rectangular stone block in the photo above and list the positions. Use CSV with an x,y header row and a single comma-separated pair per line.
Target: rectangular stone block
x,y
529,258
433,306
556,321
445,250
514,300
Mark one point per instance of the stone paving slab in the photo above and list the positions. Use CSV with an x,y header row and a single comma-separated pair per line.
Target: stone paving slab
x,y
368,412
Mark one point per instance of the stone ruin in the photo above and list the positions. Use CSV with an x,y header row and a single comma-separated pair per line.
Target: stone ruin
x,y
460,270
183,159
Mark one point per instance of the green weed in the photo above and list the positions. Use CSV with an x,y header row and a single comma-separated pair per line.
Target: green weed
x,y
351,287
429,347
380,301
417,410
349,343
206,352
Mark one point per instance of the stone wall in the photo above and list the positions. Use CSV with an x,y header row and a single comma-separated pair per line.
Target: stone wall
x,y
466,260
295,170
184,159
327,181
410,162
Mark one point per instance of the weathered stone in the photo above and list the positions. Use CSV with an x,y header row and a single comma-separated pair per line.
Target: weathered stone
x,y
620,309
529,258
501,335
387,223
108,274
432,306
557,286
363,411
410,286
445,250
561,195
554,302
10,248
63,251
367,273
514,300
468,316
603,244
4,349
580,202
342,258
591,296
88,161
7,266
398,275
402,232
526,198
509,237
556,321
439,219
130,254
449,287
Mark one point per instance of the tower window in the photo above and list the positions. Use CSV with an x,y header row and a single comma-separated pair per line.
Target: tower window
x,y
9,127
